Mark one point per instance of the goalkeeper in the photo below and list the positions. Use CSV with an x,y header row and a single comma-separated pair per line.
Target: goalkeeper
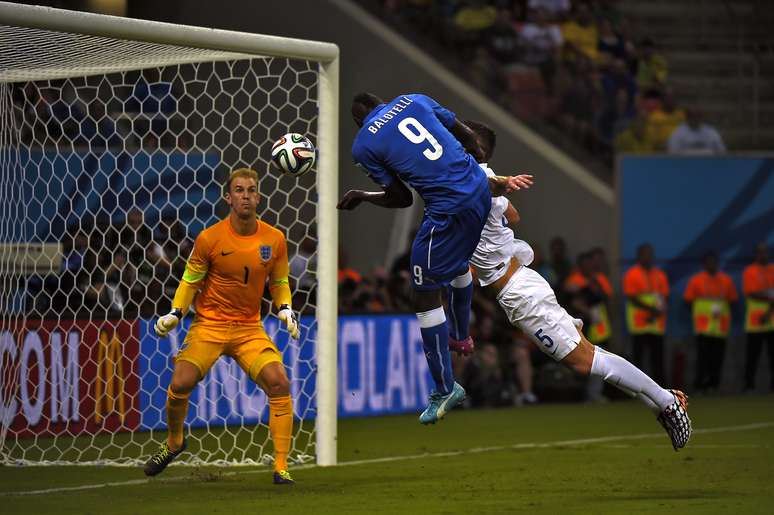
x,y
229,266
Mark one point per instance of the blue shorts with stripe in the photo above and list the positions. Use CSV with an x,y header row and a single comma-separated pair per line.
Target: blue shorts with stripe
x,y
445,242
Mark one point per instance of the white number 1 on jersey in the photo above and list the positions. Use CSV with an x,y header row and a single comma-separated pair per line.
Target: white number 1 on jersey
x,y
405,127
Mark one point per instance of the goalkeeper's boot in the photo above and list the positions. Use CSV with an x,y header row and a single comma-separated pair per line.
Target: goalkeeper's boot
x,y
282,477
462,347
440,404
674,419
163,457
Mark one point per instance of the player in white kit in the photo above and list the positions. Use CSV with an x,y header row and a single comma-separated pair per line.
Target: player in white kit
x,y
500,262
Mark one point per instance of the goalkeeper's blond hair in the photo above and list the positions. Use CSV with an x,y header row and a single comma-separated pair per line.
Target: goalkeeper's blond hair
x,y
247,173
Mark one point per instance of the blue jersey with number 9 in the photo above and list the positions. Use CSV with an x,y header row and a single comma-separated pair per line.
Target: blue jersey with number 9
x,y
409,138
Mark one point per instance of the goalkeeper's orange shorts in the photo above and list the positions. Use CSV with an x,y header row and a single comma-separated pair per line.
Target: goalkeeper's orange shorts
x,y
247,343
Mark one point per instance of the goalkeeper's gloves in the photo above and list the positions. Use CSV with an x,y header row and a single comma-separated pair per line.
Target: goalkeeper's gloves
x,y
291,321
167,322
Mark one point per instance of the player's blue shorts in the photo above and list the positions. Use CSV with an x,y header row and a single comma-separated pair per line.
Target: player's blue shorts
x,y
445,243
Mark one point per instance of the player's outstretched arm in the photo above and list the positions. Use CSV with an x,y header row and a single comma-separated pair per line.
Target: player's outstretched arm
x,y
396,195
500,185
279,287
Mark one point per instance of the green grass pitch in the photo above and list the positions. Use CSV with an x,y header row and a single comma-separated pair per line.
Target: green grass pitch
x,y
611,458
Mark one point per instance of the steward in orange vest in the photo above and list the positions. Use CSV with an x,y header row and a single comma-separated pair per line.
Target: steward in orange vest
x,y
758,287
590,293
710,293
588,296
647,288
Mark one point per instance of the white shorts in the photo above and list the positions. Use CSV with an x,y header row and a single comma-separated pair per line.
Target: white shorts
x,y
530,304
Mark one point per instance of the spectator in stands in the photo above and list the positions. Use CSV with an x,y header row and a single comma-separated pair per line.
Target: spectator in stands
x,y
664,120
608,10
635,139
710,294
483,377
652,67
611,44
541,43
618,101
600,262
485,72
106,293
541,266
580,100
560,264
469,23
303,270
647,288
502,40
487,362
758,287
580,35
345,272
556,10
588,295
693,137
521,352
399,291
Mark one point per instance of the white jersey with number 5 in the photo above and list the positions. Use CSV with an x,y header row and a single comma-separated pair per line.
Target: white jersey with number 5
x,y
498,244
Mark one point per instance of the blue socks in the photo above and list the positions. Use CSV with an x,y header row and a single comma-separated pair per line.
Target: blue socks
x,y
435,340
460,299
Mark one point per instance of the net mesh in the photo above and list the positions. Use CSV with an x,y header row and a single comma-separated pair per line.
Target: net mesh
x,y
113,156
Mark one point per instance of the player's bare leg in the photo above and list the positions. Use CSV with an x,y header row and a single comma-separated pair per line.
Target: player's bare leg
x,y
184,379
273,380
670,406
435,337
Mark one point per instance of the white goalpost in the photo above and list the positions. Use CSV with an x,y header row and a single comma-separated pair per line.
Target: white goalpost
x,y
115,137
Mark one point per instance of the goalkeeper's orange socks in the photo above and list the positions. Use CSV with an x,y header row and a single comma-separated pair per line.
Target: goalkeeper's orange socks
x,y
177,408
281,429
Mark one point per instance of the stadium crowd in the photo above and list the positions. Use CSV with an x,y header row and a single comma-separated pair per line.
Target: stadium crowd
x,y
577,65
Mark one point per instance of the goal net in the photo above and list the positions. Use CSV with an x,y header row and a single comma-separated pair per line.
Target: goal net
x,y
113,154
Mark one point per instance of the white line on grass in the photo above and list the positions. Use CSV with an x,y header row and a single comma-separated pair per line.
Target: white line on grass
x,y
474,450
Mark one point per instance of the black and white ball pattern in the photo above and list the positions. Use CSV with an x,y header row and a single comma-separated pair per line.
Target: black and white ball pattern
x,y
293,154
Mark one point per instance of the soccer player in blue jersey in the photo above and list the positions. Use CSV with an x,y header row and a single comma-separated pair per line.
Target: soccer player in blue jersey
x,y
413,140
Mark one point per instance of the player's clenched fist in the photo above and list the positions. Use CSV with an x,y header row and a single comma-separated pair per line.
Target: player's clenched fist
x,y
167,322
291,321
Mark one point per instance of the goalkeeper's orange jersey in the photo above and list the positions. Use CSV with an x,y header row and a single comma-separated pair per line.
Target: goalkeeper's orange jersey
x,y
231,271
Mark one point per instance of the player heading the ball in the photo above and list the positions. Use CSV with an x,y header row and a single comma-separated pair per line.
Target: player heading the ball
x,y
228,268
413,140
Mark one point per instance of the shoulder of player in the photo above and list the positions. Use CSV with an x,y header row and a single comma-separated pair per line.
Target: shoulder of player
x,y
271,231
211,233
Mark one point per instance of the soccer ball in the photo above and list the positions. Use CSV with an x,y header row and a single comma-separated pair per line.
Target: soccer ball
x,y
293,154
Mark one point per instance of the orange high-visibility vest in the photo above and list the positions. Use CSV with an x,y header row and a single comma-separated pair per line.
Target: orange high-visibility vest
x,y
758,279
710,296
600,329
650,287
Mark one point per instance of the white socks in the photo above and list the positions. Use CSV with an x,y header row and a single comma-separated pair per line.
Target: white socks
x,y
623,375
431,318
